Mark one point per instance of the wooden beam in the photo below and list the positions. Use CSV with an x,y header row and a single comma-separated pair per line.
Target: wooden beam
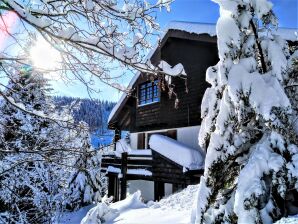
x,y
113,186
159,190
124,173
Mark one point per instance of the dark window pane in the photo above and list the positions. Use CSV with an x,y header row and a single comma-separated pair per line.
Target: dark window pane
x,y
149,92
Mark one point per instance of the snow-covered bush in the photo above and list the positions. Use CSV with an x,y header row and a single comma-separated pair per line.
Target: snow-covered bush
x,y
249,116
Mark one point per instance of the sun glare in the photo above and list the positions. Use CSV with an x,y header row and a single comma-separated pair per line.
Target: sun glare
x,y
44,57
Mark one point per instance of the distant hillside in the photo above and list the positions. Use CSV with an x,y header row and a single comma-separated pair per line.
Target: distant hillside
x,y
94,112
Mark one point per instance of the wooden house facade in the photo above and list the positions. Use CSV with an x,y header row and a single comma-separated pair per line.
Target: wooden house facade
x,y
149,110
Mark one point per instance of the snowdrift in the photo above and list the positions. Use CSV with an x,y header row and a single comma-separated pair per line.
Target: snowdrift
x,y
103,213
181,154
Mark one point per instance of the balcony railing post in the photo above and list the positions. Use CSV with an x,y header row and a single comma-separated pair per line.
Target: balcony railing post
x,y
123,172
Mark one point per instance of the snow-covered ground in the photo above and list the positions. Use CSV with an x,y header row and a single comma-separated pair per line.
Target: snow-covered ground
x,y
175,209
74,217
288,220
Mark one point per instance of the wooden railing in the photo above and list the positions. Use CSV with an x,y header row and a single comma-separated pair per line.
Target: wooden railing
x,y
127,161
124,164
154,167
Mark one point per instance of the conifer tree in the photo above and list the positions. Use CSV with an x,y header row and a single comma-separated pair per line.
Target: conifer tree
x,y
85,184
33,150
248,126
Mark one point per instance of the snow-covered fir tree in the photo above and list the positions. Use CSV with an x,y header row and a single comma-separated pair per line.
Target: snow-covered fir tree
x,y
38,149
249,115
86,183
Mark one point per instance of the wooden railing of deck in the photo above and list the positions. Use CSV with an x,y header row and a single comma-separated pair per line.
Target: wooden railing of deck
x,y
125,163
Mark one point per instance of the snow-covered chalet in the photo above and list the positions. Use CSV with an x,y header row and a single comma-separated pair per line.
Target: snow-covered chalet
x,y
162,154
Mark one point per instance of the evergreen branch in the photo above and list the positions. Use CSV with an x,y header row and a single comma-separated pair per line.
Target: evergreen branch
x,y
264,69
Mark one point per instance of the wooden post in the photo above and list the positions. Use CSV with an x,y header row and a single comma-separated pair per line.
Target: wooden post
x,y
159,190
113,186
123,172
117,136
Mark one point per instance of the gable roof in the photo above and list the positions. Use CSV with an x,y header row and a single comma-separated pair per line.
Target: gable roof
x,y
191,28
188,27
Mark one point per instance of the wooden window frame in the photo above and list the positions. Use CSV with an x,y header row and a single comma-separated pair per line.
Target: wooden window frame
x,y
148,93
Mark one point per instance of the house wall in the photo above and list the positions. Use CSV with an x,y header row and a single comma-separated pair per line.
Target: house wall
x,y
134,140
196,57
196,53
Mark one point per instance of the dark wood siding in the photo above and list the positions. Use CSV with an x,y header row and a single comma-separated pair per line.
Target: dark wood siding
x,y
196,57
196,53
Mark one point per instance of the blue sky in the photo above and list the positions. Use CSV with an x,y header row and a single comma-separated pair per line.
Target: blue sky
x,y
204,11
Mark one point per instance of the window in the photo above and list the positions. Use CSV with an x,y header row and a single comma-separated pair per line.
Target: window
x,y
149,93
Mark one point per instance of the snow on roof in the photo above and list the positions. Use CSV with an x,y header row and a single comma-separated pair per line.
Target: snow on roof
x,y
196,28
181,154
192,27
140,152
143,172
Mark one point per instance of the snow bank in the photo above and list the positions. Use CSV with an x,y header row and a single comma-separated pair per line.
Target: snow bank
x,y
182,200
131,202
174,209
74,217
288,220
102,213
183,155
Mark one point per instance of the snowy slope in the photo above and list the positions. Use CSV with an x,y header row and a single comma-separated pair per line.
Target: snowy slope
x,y
288,220
174,209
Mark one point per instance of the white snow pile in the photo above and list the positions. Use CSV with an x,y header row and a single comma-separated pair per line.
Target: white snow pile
x,y
182,200
140,152
74,217
123,146
176,208
288,220
112,169
172,70
181,154
102,213
143,172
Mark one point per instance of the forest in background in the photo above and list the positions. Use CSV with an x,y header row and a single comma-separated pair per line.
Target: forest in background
x,y
94,112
